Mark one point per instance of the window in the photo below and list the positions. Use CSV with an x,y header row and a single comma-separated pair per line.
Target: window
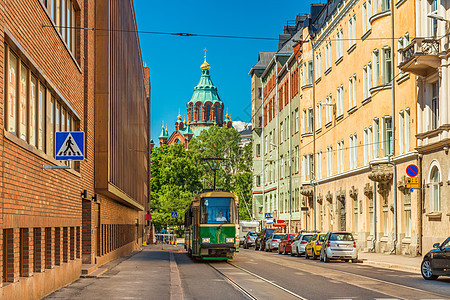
x,y
366,152
375,68
297,158
352,31
435,189
259,96
374,7
304,165
258,180
385,220
265,144
387,66
371,224
407,130
310,120
367,81
376,138
63,14
329,161
366,14
407,210
432,22
352,92
435,105
385,5
353,151
297,120
281,132
217,211
369,141
328,56
258,149
12,92
388,137
329,109
339,44
310,72
401,131
319,165
282,166
318,65
340,100
340,156
33,107
311,166
318,116
304,121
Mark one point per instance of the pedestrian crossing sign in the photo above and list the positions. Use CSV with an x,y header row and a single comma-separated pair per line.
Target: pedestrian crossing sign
x,y
69,145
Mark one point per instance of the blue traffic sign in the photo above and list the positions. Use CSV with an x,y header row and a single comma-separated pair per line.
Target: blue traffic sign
x,y
268,215
174,215
69,145
412,170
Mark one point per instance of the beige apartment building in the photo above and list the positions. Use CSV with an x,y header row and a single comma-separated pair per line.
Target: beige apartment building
x,y
370,101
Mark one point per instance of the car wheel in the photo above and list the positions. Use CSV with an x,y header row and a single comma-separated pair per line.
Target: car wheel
x,y
292,253
426,271
306,254
325,258
314,256
354,261
346,260
284,251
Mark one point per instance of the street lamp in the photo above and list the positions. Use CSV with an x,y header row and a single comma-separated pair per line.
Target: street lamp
x,y
434,15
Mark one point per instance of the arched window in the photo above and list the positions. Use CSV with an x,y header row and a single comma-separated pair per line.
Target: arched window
x,y
435,189
208,112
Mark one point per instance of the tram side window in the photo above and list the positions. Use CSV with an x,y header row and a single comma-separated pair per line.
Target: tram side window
x,y
217,210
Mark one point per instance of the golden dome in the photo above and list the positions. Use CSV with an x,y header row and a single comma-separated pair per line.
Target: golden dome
x,y
205,65
179,115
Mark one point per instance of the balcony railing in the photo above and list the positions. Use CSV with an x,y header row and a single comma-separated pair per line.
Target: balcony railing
x,y
420,57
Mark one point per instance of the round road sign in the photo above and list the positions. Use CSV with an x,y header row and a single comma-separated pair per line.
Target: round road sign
x,y
412,170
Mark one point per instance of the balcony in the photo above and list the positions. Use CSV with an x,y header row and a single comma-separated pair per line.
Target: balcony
x,y
420,57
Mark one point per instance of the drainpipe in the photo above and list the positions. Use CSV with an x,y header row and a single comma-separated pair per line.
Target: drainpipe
x,y
394,178
393,128
290,147
313,173
374,199
263,153
420,200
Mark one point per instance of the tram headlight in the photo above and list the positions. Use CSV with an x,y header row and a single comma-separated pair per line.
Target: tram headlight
x,y
206,240
230,240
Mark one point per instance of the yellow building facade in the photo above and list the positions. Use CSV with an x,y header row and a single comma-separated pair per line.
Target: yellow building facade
x,y
351,128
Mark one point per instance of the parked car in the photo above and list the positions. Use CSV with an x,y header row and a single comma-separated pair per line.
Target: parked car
x,y
437,262
339,245
260,242
312,248
245,227
298,246
249,239
285,243
273,241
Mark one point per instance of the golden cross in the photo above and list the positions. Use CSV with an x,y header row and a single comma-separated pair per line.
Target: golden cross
x,y
205,52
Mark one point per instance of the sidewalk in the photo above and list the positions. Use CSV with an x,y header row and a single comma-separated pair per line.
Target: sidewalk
x,y
399,262
147,274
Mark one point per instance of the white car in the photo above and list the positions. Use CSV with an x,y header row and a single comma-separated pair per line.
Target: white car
x,y
339,245
273,241
298,246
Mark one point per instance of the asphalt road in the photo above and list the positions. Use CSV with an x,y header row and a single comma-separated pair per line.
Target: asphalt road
x,y
155,273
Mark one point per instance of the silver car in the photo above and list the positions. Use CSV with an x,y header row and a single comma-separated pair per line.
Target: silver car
x,y
273,241
298,246
339,245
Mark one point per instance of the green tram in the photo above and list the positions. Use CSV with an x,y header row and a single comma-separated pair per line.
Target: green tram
x,y
210,225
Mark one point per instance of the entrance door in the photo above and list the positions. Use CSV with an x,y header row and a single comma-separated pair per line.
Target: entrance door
x,y
342,215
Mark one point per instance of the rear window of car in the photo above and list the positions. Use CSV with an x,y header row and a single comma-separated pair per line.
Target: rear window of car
x,y
341,237
278,236
292,236
322,237
269,231
307,237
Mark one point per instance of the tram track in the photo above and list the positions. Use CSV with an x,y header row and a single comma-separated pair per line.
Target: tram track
x,y
247,290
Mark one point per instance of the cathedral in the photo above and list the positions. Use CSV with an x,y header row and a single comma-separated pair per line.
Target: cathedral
x,y
205,109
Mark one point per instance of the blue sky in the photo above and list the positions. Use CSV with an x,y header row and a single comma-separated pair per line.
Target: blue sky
x,y
175,61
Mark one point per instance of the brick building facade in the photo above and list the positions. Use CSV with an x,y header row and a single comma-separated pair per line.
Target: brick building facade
x,y
56,222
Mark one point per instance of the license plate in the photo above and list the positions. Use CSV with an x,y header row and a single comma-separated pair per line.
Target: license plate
x,y
337,245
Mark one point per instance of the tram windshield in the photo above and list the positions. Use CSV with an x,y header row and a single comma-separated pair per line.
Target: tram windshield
x,y
217,210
